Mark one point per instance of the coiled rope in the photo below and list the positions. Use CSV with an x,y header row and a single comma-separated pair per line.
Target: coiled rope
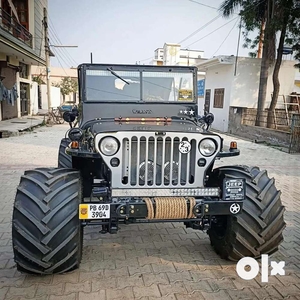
x,y
170,208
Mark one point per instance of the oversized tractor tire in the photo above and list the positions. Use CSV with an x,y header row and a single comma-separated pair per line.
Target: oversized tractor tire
x,y
258,229
47,234
64,160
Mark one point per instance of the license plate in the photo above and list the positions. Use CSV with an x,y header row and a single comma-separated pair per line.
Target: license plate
x,y
94,211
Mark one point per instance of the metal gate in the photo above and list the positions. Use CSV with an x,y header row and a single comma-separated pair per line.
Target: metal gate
x,y
295,134
24,98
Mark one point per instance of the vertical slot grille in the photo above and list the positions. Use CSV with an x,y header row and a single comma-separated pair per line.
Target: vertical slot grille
x,y
157,162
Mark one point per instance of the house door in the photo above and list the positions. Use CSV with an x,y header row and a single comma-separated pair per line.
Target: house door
x,y
207,100
24,96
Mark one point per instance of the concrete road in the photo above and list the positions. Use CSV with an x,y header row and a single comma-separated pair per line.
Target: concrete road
x,y
164,261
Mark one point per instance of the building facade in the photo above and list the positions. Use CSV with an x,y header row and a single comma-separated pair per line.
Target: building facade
x,y
56,75
172,54
228,84
21,46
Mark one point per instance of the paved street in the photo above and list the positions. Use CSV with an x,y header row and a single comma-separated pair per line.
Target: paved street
x,y
164,261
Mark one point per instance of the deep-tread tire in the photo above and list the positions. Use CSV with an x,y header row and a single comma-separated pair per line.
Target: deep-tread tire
x,y
47,234
64,160
258,229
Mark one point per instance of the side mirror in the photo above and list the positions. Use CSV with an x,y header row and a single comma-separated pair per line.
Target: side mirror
x,y
209,118
69,116
75,111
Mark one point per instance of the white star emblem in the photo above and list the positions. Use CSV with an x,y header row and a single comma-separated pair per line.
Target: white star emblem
x,y
234,208
185,112
191,112
181,111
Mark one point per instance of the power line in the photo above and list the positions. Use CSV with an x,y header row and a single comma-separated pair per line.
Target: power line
x,y
62,50
204,4
146,58
251,6
192,34
200,28
57,40
67,62
70,60
57,57
56,37
212,32
225,38
53,28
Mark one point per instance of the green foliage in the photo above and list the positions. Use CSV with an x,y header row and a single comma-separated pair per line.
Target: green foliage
x,y
67,86
252,54
38,79
254,12
293,35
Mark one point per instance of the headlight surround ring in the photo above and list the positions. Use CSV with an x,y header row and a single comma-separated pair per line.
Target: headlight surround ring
x,y
109,146
207,147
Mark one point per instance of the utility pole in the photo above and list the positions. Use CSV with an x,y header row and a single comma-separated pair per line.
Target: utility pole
x,y
47,55
238,47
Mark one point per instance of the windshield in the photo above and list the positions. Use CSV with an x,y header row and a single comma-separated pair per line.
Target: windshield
x,y
105,85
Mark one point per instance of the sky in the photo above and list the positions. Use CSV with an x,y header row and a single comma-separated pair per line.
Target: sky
x,y
128,31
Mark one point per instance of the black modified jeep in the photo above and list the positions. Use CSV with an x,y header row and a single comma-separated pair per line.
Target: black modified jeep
x,y
141,154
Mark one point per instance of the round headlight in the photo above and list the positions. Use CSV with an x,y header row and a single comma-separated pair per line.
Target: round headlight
x,y
109,146
175,170
207,147
142,170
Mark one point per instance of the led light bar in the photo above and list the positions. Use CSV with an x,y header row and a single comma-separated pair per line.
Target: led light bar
x,y
213,192
194,192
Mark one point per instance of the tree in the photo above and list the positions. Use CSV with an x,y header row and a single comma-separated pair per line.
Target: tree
x,y
293,35
286,11
268,56
38,79
67,86
257,14
269,16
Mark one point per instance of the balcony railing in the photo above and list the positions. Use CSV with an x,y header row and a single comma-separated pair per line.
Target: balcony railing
x,y
11,25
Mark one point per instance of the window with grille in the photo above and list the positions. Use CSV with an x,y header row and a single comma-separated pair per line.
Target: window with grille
x,y
219,98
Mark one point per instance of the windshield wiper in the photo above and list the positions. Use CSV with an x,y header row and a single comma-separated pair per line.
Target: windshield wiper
x,y
115,74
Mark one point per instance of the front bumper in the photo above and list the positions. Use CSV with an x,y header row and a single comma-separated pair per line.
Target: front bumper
x,y
137,209
183,204
203,208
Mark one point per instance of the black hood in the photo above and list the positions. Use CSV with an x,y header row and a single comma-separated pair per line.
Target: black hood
x,y
99,110
176,125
